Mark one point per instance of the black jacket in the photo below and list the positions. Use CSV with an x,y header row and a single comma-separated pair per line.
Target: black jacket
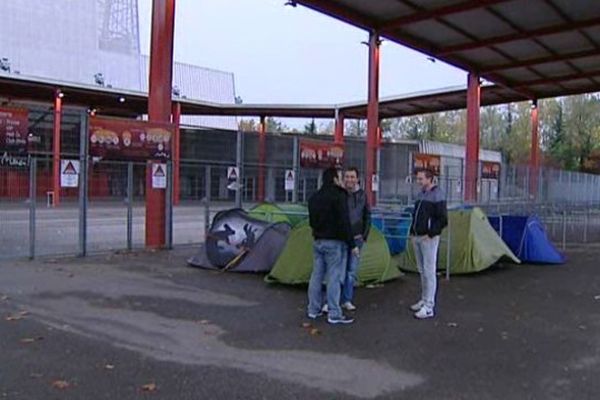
x,y
328,215
430,215
360,213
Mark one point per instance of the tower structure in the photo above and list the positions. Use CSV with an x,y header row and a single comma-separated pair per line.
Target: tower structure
x,y
119,30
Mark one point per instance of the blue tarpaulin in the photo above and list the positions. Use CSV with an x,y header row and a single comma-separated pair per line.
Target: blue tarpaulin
x,y
395,229
526,237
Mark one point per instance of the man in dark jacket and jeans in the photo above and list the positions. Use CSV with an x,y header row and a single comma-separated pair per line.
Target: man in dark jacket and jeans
x,y
430,217
360,219
330,223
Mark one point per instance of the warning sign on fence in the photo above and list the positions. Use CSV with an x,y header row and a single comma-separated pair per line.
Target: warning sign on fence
x,y
375,183
159,176
233,173
290,180
69,173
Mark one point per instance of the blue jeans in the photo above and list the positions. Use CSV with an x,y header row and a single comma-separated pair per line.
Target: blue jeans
x,y
330,258
351,275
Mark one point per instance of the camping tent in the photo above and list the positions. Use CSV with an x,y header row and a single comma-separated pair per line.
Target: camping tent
x,y
238,242
395,228
293,214
294,266
474,245
526,237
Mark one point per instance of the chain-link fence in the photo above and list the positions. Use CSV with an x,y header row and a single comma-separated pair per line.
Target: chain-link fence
x,y
108,213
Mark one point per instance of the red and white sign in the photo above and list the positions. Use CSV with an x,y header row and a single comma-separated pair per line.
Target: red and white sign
x,y
314,154
69,173
14,126
290,180
427,161
490,170
159,176
120,139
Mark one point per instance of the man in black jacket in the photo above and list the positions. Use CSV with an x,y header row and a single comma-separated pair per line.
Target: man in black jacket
x,y
360,219
332,232
430,217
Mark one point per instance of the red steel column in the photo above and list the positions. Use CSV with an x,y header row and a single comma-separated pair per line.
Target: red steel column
x,y
472,142
176,151
159,109
372,115
56,148
339,127
534,161
262,157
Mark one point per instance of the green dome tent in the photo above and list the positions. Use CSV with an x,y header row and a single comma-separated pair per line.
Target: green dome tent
x,y
295,263
293,214
474,247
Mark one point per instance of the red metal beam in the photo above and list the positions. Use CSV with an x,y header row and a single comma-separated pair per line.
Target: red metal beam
x,y
262,157
159,109
548,30
534,161
176,150
339,127
561,78
437,13
56,149
472,140
540,60
339,12
430,50
372,116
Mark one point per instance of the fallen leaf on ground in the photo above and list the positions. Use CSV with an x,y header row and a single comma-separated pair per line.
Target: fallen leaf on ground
x,y
315,331
109,366
582,327
306,324
452,325
149,387
597,297
23,313
62,385
13,318
31,340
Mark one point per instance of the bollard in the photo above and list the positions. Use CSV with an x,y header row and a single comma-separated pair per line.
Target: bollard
x,y
564,230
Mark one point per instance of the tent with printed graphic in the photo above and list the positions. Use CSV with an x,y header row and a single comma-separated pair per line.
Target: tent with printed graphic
x,y
295,263
293,214
526,237
474,245
238,242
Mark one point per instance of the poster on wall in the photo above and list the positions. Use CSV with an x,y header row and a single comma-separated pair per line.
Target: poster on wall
x,y
427,161
490,170
320,155
14,126
120,139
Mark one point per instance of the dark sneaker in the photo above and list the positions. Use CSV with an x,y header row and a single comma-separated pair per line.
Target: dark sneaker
x,y
343,320
315,316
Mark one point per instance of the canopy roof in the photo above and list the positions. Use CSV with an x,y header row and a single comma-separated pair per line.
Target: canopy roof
x,y
537,48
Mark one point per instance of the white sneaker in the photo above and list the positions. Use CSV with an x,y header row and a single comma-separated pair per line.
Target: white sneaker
x,y
417,306
424,313
325,309
349,306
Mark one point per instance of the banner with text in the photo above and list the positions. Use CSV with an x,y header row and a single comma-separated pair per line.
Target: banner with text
x,y
14,126
490,170
120,139
431,162
315,154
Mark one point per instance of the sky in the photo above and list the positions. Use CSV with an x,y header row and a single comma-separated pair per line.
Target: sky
x,y
282,54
